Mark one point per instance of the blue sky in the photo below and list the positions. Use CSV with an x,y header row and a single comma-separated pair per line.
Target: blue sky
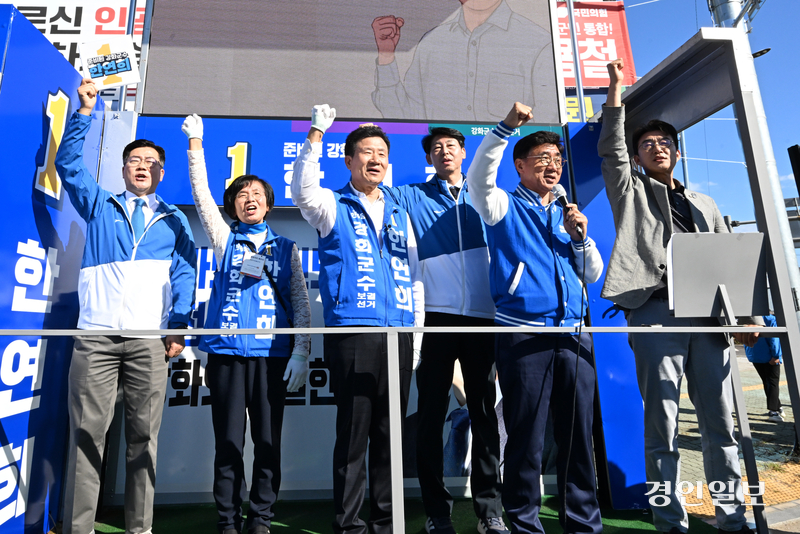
x,y
659,27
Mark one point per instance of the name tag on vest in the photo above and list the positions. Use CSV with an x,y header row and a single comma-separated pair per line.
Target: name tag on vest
x,y
253,265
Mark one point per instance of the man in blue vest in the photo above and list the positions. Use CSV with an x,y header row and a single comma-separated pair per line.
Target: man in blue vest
x,y
455,267
138,273
368,277
540,252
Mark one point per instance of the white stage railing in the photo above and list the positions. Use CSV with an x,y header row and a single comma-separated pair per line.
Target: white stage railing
x,y
395,417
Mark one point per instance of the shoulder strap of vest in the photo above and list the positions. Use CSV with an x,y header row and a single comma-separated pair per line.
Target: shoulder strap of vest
x,y
279,296
271,282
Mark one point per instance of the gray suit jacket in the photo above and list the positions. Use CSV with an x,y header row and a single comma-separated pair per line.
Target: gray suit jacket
x,y
642,218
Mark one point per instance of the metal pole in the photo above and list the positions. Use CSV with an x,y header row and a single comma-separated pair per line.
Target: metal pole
x,y
576,61
745,438
131,18
148,19
742,13
794,159
728,222
684,161
772,219
725,12
750,105
395,433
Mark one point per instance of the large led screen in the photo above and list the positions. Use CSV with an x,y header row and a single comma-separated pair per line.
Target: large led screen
x,y
426,60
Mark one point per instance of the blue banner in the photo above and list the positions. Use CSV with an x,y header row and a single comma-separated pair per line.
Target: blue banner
x,y
42,244
268,148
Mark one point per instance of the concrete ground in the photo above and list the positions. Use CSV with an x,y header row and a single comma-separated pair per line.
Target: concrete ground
x,y
772,443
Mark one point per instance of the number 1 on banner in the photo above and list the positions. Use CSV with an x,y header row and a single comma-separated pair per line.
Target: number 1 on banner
x,y
48,181
239,154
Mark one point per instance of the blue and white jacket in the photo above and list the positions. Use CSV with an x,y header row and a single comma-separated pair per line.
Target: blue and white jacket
x,y
362,281
536,267
241,301
125,284
451,242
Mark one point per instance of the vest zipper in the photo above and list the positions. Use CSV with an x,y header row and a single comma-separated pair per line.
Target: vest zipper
x,y
461,257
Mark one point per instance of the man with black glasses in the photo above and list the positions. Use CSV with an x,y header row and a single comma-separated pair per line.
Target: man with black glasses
x,y
648,208
138,273
541,255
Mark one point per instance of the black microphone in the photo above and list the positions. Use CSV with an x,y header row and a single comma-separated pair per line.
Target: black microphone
x,y
561,196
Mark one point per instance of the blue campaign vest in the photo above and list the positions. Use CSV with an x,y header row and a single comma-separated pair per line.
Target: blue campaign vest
x,y
359,282
240,301
532,271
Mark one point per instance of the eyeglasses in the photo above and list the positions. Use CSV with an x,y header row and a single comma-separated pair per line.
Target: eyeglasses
x,y
547,159
135,161
244,196
650,144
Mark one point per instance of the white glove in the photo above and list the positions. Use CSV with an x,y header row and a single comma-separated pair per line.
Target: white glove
x,y
193,127
322,117
296,372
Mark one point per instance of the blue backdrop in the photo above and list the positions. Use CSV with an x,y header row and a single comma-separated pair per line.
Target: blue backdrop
x,y
269,148
42,244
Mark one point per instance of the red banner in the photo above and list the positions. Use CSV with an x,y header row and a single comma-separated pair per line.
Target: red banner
x,y
602,37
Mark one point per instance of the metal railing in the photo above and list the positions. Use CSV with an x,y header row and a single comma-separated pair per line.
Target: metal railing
x,y
393,364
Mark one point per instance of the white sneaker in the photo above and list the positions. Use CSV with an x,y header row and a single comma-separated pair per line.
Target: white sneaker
x,y
492,525
775,417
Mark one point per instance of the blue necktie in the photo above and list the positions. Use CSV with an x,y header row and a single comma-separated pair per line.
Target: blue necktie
x,y
137,219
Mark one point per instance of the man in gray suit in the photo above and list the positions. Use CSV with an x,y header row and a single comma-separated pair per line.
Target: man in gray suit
x,y
648,208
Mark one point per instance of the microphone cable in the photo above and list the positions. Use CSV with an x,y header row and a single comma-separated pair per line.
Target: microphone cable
x,y
560,194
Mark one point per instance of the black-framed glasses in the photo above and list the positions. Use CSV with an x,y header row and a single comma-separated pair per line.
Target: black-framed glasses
x,y
135,161
547,159
664,143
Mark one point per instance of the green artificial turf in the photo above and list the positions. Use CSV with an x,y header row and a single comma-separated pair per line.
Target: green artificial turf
x,y
314,517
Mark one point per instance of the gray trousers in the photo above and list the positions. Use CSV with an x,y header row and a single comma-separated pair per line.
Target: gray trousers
x,y
662,360
98,364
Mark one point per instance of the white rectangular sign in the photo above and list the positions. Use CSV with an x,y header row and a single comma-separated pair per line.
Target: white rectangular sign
x,y
110,62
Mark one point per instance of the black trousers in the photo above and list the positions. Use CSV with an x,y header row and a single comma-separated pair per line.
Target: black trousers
x,y
770,377
240,387
360,386
537,375
475,352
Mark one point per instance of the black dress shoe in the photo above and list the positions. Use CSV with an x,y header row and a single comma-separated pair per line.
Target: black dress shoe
x,y
259,529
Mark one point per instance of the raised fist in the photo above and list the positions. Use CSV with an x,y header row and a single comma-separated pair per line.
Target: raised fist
x,y
322,117
615,71
87,94
387,34
519,115
193,127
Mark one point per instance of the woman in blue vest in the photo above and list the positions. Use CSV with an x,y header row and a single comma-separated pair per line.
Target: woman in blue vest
x,y
259,283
